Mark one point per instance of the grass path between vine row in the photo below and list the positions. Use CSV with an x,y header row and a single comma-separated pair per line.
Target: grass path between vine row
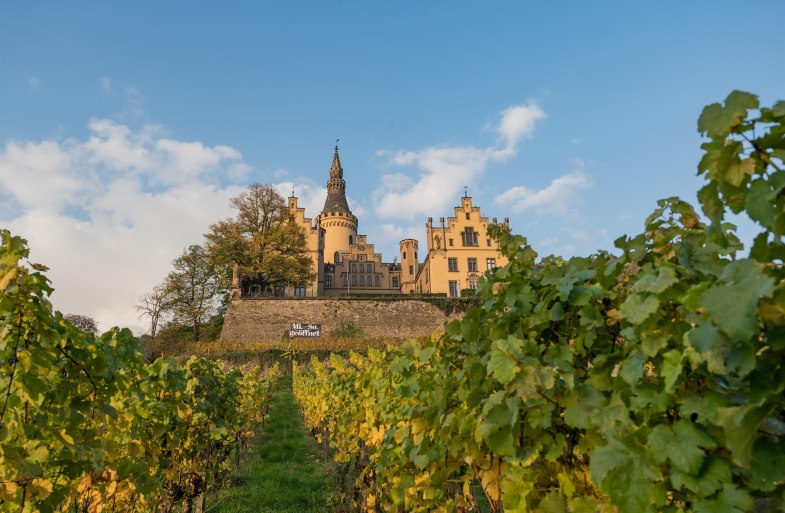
x,y
281,471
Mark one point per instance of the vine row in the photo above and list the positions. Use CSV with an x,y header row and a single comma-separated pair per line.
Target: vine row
x,y
87,426
647,381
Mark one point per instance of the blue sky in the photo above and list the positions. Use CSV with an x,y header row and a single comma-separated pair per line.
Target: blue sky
x,y
124,128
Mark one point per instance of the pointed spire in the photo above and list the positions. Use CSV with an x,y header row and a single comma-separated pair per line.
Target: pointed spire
x,y
336,187
336,171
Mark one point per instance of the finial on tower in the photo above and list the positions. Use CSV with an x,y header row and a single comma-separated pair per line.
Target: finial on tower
x,y
465,191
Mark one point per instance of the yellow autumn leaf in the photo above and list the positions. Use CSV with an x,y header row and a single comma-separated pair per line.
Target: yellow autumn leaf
x,y
66,437
8,491
110,489
7,277
42,487
85,484
376,436
491,484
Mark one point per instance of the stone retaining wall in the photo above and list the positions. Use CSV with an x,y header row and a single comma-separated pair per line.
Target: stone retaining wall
x,y
251,320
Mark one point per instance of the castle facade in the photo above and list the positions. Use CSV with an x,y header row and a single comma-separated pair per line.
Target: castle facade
x,y
458,251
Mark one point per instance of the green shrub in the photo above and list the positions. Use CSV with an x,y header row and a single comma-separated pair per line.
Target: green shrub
x,y
348,330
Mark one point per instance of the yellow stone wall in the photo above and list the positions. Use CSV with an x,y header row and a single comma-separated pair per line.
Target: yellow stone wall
x,y
315,246
463,242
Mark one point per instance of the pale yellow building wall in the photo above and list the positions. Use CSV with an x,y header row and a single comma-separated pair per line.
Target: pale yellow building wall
x,y
314,245
339,230
445,241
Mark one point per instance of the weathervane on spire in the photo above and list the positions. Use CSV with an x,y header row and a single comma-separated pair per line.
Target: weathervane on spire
x,y
336,143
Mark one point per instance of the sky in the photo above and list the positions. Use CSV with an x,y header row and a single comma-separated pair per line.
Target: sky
x,y
126,127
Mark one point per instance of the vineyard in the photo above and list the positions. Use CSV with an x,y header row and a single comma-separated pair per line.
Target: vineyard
x,y
649,381
86,426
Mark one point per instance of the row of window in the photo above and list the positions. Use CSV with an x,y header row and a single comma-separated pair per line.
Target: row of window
x,y
363,268
471,264
362,281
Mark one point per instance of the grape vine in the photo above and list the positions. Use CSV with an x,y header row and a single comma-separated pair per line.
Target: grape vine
x,y
86,426
649,381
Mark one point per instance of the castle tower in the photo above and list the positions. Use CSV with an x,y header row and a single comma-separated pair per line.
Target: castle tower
x,y
409,265
337,221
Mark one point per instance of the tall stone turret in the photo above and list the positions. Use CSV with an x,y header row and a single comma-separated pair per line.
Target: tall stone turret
x,y
409,265
337,221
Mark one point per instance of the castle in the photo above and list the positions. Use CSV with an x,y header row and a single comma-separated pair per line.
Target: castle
x,y
458,252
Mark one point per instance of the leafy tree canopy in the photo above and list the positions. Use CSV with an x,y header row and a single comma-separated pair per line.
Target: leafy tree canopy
x,y
82,322
192,288
261,239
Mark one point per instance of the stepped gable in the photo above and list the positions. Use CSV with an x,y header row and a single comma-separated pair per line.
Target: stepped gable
x,y
336,189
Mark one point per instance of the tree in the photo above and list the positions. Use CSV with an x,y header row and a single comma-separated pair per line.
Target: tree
x,y
262,240
192,288
153,305
82,322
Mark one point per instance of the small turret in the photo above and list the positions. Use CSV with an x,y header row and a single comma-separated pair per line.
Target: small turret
x,y
409,265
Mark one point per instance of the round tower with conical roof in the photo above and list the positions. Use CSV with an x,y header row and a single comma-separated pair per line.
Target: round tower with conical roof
x,y
337,221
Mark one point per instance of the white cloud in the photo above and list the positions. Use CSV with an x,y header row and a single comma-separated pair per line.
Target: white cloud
x,y
33,83
389,235
106,84
559,198
396,182
445,170
310,195
357,209
518,121
109,214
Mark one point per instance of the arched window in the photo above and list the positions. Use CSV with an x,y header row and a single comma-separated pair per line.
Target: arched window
x,y
351,240
337,258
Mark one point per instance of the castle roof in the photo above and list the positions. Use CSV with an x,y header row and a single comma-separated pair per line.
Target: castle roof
x,y
336,189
